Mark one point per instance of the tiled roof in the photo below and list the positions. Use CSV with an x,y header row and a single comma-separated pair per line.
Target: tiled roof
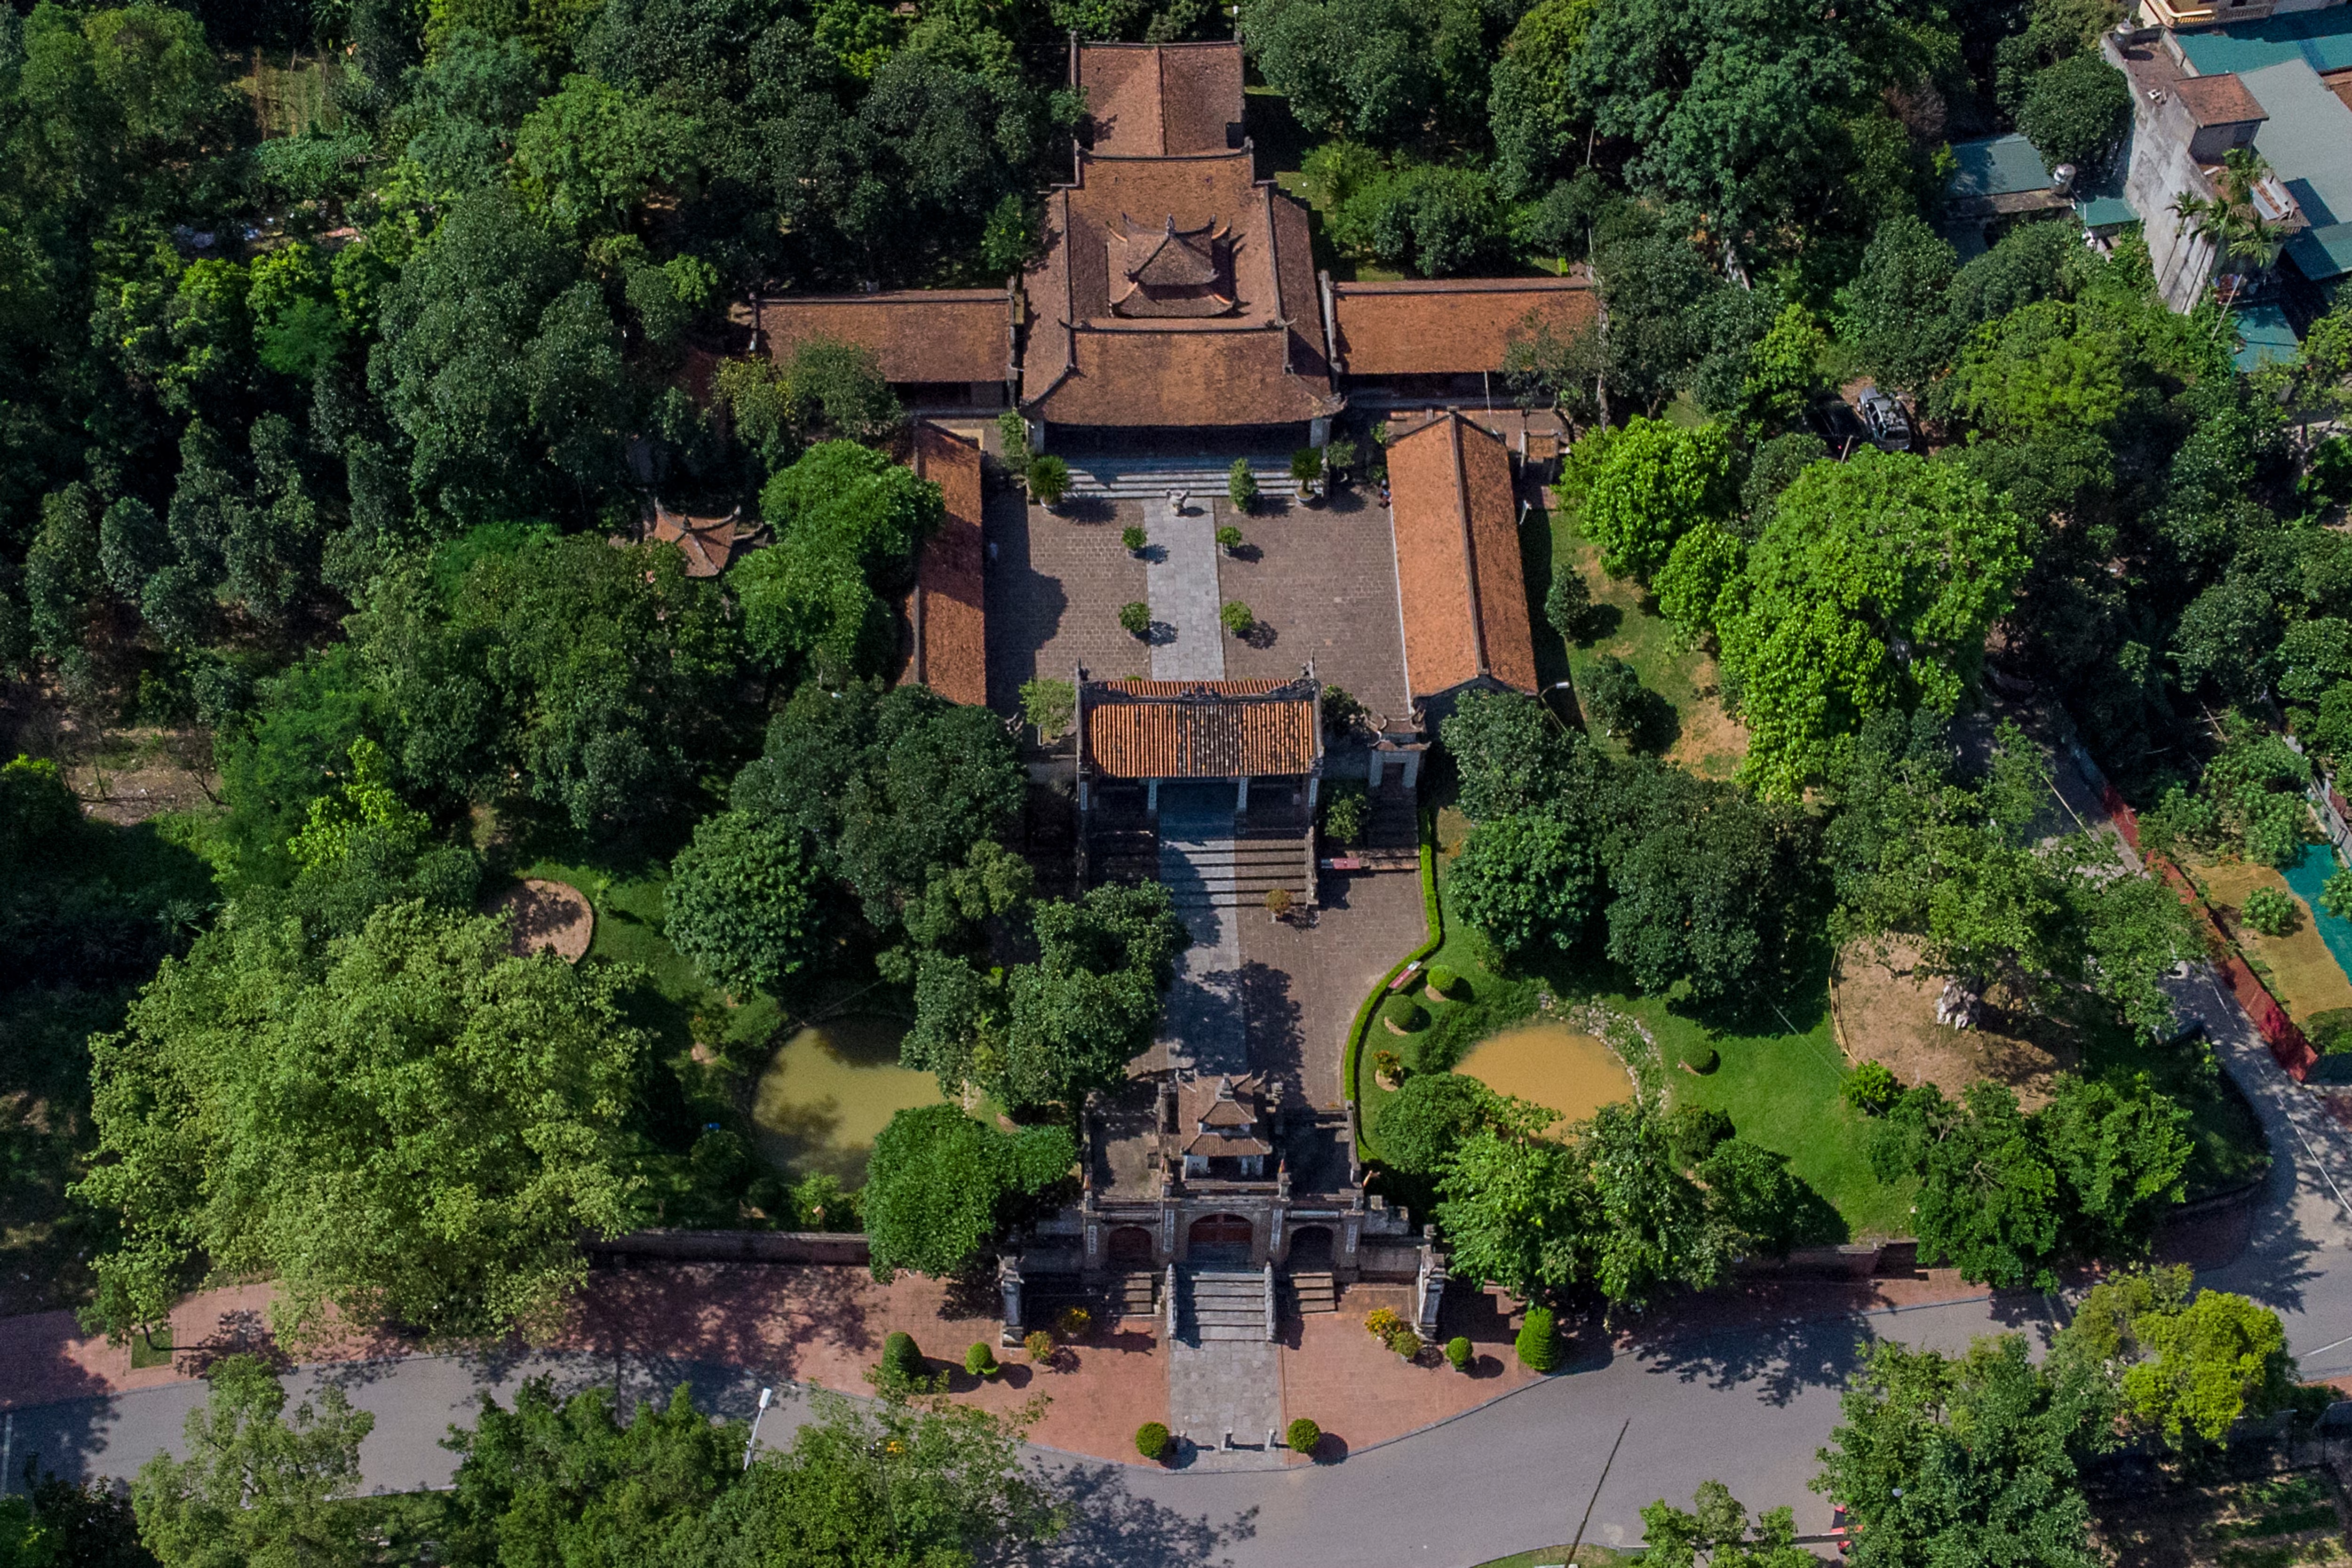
x,y
1259,361
925,334
1147,101
1451,326
2217,100
1209,729
709,544
1459,582
947,622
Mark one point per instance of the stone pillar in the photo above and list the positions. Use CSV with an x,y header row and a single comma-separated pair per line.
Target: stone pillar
x,y
1008,1285
1429,1289
1261,1249
1412,768
1314,788
1082,794
1151,796
1241,793
1346,1265
1036,435
1377,757
1277,1246
1172,1237
1093,1224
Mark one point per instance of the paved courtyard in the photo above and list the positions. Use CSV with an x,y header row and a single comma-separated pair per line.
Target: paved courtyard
x,y
1322,582
1056,583
1301,983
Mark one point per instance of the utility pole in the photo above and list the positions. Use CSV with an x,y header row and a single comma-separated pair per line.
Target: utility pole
x,y
753,1440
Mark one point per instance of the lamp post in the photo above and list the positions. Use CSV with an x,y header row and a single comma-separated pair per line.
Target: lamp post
x,y
753,1440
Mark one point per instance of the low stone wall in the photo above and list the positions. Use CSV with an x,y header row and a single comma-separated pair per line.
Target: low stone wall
x,y
733,1247
1855,1260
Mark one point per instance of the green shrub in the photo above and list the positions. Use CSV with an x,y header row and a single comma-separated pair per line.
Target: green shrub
x,y
901,1358
1340,456
1700,1057
1151,1440
2270,911
1042,1346
1306,465
979,1361
1238,618
1049,478
1134,619
1537,1346
1458,1353
1229,539
1406,1012
1694,1132
1240,486
1403,1341
1303,1436
1446,983
1051,705
1347,812
2330,1032
1131,540
1872,1088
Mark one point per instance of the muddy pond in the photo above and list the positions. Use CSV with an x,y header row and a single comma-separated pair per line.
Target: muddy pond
x,y
1553,1066
829,1089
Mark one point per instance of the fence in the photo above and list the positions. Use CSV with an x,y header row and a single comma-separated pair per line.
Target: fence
x,y
734,1247
2289,1048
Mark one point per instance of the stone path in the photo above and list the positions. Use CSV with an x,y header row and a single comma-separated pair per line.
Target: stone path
x,y
1180,584
1203,1024
1227,1385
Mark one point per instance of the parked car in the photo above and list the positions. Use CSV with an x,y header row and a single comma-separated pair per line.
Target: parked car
x,y
1883,417
1836,422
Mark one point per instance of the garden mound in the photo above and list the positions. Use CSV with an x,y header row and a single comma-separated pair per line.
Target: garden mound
x,y
2299,970
1885,1011
553,917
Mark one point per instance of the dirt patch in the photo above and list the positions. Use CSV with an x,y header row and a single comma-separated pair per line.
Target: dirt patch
x,y
2303,974
555,917
1885,1011
2274,1522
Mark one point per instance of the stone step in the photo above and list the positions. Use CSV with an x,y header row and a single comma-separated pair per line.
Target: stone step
x,y
1144,478
1224,1332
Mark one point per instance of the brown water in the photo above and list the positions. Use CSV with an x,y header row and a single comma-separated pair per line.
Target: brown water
x,y
1552,1065
831,1088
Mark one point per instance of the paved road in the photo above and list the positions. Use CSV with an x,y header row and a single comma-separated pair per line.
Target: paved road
x,y
1749,1407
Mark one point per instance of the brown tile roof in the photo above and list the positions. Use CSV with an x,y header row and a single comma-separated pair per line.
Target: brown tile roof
x,y
1464,595
1258,361
709,544
946,611
920,334
1455,326
2218,99
1211,1113
1147,101
1209,729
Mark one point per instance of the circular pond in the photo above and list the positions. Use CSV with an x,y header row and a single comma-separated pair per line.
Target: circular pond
x,y
829,1089
1553,1066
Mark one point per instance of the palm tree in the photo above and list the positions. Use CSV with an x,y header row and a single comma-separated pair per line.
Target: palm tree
x,y
2230,220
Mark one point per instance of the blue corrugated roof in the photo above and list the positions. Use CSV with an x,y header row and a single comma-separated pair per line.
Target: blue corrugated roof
x,y
2308,139
2321,39
2323,253
2263,337
1998,166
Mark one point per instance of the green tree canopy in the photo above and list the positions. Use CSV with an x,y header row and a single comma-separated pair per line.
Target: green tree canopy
x,y
847,522
1873,588
414,1126
740,902
940,1186
1655,483
2191,1363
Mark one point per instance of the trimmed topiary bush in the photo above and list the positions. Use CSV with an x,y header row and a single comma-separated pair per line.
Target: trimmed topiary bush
x,y
1303,1436
980,1361
2270,911
1701,1057
1134,619
1131,540
1443,982
1238,618
901,1358
1151,1440
1404,1341
1404,1014
1240,486
1229,539
1537,1346
1457,1353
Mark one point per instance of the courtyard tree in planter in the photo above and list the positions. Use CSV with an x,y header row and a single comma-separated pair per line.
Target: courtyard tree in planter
x,y
1238,618
1337,459
1049,479
1307,470
1132,540
1229,539
1134,619
1240,486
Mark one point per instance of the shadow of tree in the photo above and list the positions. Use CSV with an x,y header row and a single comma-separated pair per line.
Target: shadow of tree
x,y
1112,1524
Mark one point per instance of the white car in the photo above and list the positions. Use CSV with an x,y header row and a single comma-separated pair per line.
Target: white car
x,y
1890,429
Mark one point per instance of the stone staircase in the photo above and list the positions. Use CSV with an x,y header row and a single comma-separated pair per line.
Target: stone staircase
x,y
1136,1294
1222,1303
1308,1291
1201,480
1232,873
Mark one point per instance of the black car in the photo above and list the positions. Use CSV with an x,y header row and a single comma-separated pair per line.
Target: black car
x,y
1836,422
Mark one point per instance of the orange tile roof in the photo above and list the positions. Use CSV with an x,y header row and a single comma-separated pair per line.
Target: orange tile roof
x,y
1454,516
946,611
918,334
1451,326
1147,101
1208,728
709,544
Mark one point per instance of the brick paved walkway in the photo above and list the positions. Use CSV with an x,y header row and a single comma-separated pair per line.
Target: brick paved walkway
x,y
1055,588
1322,582
1303,984
1227,1385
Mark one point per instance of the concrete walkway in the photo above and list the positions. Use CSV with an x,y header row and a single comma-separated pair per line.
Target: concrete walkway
x,y
1226,1385
1180,584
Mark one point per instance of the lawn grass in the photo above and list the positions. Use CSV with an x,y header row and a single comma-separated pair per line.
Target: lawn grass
x,y
1707,739
1781,1088
1586,1556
